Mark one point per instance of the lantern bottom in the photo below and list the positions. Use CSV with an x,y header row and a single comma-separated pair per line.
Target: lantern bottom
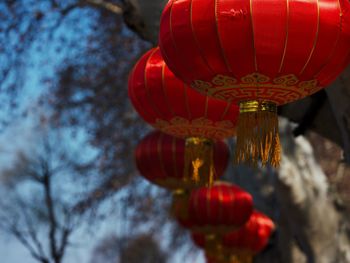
x,y
257,134
199,160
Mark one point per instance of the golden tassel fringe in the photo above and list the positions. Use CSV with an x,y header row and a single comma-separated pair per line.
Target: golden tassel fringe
x,y
257,134
199,161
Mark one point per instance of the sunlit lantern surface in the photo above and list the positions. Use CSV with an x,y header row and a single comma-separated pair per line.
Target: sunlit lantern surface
x,y
160,158
169,105
258,54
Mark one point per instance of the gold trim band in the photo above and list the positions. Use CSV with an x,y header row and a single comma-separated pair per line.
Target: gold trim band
x,y
255,106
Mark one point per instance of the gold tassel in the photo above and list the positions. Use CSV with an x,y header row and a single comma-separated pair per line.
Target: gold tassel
x,y
199,161
257,134
241,258
212,244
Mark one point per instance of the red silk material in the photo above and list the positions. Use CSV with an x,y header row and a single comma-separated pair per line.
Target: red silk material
x,y
219,208
253,236
169,105
160,159
239,50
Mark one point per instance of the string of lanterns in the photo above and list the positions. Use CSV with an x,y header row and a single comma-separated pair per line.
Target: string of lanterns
x,y
221,70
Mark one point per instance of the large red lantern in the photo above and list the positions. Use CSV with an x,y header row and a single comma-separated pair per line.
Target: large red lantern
x,y
219,209
160,158
169,105
259,54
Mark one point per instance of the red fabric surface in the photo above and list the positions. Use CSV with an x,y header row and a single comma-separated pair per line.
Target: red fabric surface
x,y
168,104
160,158
253,236
223,204
239,50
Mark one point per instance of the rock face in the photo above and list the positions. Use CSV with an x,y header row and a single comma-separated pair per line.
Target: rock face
x,y
143,17
311,228
297,196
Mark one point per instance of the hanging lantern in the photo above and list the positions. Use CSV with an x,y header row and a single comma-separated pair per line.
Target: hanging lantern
x,y
251,239
258,54
219,209
160,158
240,245
169,105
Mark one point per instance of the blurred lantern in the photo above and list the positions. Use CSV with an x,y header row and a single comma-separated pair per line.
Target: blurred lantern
x,y
160,158
169,105
219,209
259,54
252,238
238,246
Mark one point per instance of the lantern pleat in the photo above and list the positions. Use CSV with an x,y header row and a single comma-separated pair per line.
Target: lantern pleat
x,y
256,52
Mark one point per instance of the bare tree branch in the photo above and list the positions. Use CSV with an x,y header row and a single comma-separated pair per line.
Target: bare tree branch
x,y
114,8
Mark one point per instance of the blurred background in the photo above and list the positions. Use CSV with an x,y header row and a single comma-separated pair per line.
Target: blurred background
x,y
69,190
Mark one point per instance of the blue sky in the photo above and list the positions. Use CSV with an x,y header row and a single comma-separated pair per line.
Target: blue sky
x,y
41,64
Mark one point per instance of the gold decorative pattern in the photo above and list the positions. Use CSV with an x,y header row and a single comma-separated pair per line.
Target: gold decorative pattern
x,y
255,78
286,80
221,80
201,127
257,86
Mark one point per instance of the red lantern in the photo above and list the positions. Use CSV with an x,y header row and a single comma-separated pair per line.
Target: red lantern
x,y
169,105
240,245
219,209
259,54
252,238
160,158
